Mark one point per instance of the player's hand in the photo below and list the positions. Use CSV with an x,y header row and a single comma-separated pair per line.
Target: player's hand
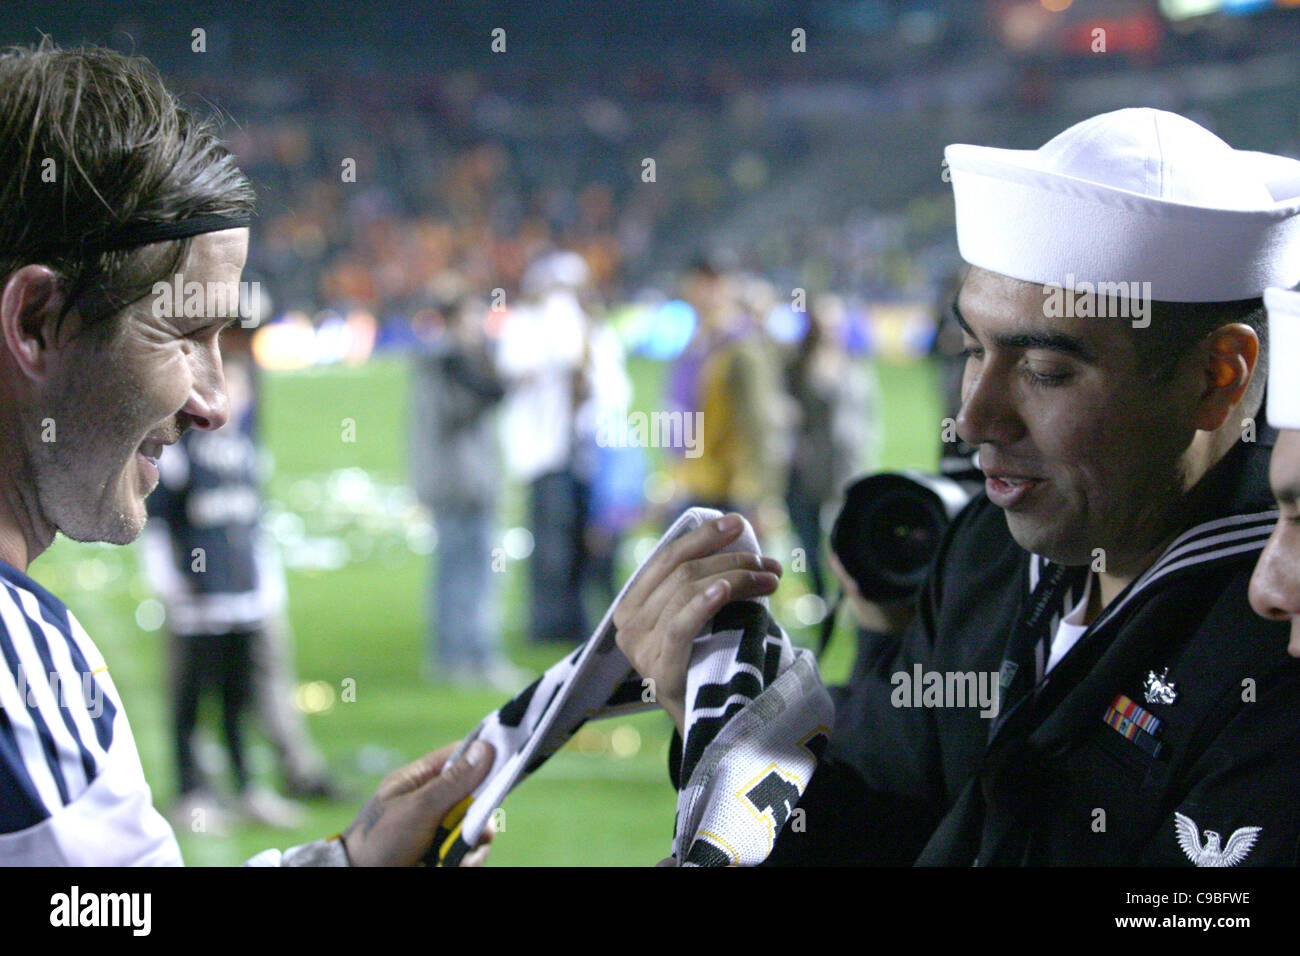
x,y
678,591
397,824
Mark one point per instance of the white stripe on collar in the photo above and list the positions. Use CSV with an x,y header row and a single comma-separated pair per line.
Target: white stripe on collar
x,y
1201,530
1223,537
1243,527
1251,536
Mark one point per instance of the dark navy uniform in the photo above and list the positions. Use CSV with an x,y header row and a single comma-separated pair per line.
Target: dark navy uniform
x,y
1170,730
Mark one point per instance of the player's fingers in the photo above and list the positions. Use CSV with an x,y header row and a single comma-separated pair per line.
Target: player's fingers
x,y
661,649
418,772
457,780
708,538
668,655
476,857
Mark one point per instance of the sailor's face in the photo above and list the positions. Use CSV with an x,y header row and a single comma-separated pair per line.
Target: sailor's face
x,y
1275,586
1079,448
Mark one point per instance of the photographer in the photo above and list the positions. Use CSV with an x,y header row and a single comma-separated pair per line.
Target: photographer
x,y
1115,343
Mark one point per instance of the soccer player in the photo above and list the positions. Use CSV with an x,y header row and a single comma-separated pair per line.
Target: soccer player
x,y
108,188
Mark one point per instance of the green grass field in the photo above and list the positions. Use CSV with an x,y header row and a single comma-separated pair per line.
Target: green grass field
x,y
604,800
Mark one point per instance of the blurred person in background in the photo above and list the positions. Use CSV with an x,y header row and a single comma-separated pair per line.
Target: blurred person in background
x,y
455,466
617,499
207,556
836,429
300,763
729,379
545,358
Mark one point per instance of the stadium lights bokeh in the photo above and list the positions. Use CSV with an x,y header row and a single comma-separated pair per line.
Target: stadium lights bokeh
x,y
1187,9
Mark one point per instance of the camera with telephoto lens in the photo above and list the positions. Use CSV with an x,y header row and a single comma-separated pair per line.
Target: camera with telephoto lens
x,y
889,528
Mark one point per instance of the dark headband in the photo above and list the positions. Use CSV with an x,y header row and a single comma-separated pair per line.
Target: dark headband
x,y
141,234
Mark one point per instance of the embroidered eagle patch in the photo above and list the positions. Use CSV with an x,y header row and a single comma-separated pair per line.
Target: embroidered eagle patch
x,y
1210,853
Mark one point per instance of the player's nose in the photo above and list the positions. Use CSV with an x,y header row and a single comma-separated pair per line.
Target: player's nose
x,y
208,406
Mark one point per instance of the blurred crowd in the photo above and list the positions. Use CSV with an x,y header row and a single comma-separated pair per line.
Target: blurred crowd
x,y
444,185
382,188
745,422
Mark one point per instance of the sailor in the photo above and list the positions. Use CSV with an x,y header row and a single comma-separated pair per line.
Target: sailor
x,y
1103,574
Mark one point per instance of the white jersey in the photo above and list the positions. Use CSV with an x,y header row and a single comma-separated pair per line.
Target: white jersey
x,y
72,791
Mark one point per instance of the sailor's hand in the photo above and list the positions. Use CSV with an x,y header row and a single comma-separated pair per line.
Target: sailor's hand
x,y
677,593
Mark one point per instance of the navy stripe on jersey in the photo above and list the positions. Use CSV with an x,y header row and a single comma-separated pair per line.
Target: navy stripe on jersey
x,y
55,612
31,783
58,616
42,646
20,805
1210,541
48,748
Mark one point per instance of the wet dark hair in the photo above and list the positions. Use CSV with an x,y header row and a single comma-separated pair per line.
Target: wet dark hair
x,y
91,144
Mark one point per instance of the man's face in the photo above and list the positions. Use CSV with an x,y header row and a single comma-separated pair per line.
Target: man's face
x,y
1078,448
109,407
1275,586
711,297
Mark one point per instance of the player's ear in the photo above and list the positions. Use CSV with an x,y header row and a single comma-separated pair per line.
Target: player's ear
x,y
30,303
1227,358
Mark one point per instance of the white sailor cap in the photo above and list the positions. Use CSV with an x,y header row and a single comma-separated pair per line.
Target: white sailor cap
x,y
1137,195
1284,357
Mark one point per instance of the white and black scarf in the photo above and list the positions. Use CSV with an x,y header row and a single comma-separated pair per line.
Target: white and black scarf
x,y
757,719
